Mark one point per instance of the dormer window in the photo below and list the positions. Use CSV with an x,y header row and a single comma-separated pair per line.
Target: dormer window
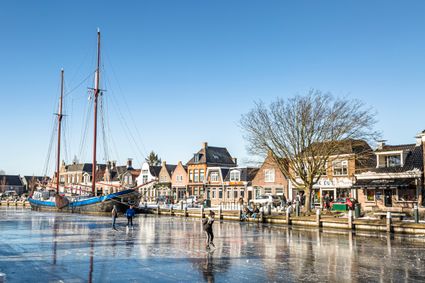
x,y
235,176
393,161
196,157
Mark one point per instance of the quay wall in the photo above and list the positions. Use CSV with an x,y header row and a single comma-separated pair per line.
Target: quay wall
x,y
392,225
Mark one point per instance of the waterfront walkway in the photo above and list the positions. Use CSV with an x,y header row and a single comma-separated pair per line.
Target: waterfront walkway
x,y
49,247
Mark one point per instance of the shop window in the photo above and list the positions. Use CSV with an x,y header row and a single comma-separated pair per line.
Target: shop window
x,y
340,167
370,195
408,194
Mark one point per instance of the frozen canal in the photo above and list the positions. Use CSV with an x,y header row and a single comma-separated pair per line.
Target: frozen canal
x,y
48,247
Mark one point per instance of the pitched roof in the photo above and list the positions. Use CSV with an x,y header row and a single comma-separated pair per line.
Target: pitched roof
x,y
11,180
170,168
396,147
414,160
247,174
154,170
85,167
213,156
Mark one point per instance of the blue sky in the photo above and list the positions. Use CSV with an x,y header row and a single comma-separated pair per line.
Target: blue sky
x,y
183,72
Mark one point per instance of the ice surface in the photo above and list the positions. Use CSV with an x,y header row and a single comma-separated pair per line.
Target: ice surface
x,y
55,247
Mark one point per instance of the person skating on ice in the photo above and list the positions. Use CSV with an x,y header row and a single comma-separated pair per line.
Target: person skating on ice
x,y
207,226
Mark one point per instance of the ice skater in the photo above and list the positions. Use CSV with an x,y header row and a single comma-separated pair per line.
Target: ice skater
x,y
207,226
130,214
114,216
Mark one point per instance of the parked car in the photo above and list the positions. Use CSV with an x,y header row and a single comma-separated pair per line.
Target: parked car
x,y
343,204
266,199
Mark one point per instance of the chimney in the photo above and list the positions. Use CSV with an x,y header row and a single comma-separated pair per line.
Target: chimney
x,y
381,144
129,163
235,160
164,163
204,145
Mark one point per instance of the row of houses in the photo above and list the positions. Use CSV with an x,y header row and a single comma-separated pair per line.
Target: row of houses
x,y
19,184
389,177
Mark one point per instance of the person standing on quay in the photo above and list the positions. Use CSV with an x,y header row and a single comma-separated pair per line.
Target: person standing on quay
x,y
207,225
130,214
114,216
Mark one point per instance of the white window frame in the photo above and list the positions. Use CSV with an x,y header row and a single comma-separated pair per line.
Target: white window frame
x,y
343,165
214,177
269,175
235,176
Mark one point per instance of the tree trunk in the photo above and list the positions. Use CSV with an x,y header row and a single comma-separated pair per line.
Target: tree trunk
x,y
308,196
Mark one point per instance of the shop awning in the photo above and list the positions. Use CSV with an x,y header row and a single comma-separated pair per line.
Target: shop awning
x,y
379,183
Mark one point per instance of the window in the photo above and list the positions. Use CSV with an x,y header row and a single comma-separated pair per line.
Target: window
x,y
190,175
220,193
179,178
235,194
235,176
393,160
201,175
242,193
213,193
407,194
228,193
214,177
370,195
340,168
279,191
130,180
268,190
269,175
196,176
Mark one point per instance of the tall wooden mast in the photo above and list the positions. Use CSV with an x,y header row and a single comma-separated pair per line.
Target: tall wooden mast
x,y
96,94
60,115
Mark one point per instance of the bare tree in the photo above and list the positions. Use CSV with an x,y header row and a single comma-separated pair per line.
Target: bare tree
x,y
302,132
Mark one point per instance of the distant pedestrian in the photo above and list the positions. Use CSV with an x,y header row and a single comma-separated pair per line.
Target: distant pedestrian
x,y
207,226
241,201
114,216
130,214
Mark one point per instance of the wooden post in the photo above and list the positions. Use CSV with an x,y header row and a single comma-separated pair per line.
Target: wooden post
x,y
185,211
202,212
171,210
350,219
318,223
389,221
220,212
240,215
288,216
157,210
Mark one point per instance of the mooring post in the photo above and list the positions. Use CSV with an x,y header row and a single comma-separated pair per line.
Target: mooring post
x,y
416,213
297,208
157,210
269,209
171,210
388,221
185,211
240,214
202,212
288,215
318,217
350,219
220,212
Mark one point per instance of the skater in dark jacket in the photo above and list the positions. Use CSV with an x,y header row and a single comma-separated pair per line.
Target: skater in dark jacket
x,y
207,226
130,214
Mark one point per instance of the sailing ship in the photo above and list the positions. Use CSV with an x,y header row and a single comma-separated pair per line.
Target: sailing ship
x,y
41,201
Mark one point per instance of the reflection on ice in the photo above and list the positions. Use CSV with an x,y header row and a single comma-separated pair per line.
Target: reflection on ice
x,y
82,248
